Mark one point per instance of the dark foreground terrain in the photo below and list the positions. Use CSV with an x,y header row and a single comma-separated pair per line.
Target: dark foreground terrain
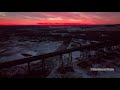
x,y
18,46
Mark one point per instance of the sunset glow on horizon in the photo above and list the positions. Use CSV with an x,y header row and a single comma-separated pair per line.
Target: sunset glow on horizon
x,y
58,18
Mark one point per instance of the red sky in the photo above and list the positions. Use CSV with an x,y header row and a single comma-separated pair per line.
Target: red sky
x,y
37,18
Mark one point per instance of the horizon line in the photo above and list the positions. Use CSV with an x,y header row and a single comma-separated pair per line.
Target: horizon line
x,y
52,24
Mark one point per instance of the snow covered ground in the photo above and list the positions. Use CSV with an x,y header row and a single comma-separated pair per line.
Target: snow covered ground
x,y
16,49
80,72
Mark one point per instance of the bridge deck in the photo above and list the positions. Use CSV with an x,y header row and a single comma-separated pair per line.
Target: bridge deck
x,y
44,56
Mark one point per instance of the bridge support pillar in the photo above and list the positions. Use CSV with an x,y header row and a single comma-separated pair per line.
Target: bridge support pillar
x,y
69,61
28,66
65,63
61,63
43,65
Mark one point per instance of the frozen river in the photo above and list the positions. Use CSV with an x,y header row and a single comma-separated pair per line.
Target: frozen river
x,y
15,49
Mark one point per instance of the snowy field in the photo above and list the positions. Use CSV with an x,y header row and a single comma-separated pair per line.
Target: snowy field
x,y
15,49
